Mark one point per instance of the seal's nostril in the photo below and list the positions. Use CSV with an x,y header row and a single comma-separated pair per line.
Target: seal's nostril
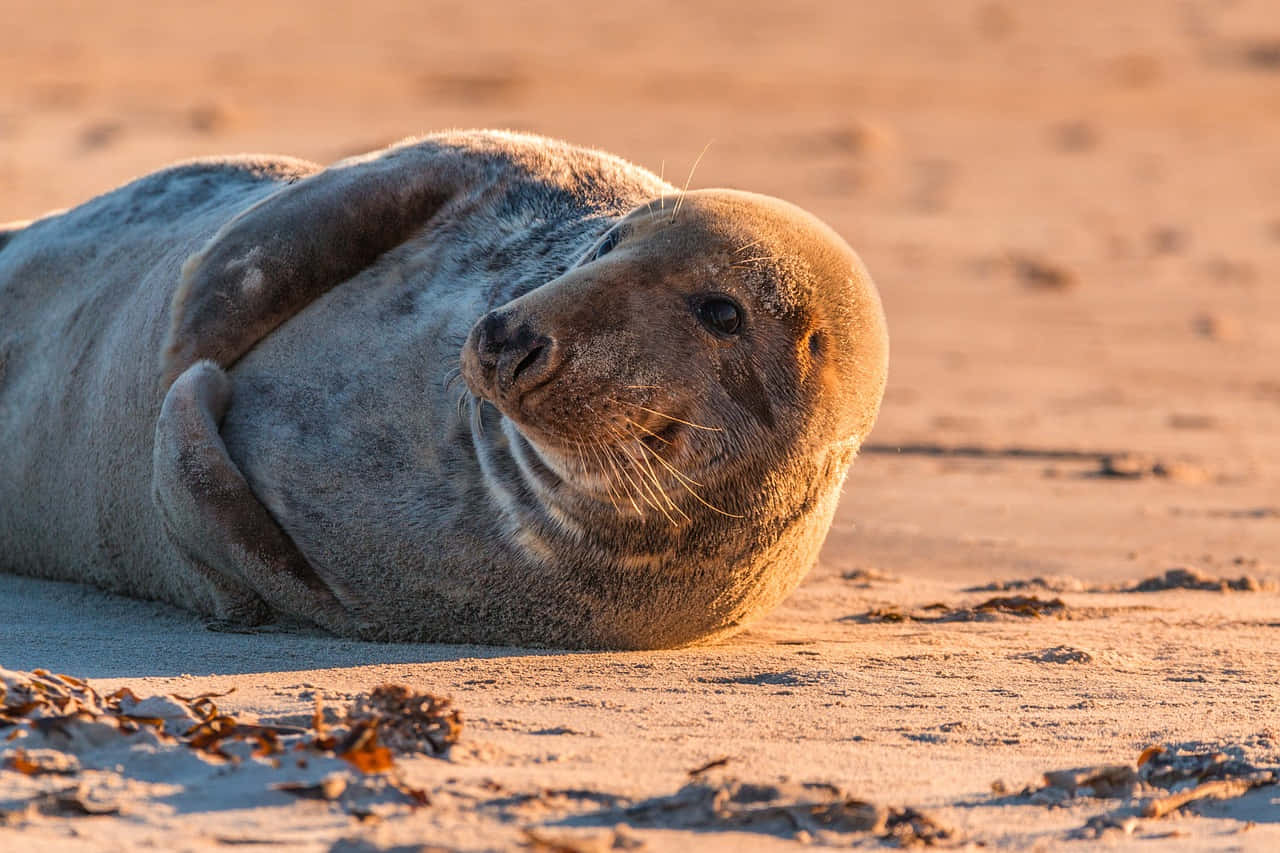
x,y
527,362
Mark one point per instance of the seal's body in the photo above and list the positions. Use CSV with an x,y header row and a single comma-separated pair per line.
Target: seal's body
x,y
481,387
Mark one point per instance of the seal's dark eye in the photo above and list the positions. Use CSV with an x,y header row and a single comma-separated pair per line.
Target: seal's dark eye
x,y
720,315
610,240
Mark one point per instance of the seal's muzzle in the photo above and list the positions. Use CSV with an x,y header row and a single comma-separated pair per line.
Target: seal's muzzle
x,y
504,360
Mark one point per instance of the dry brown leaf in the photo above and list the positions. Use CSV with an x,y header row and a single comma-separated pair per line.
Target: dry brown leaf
x,y
19,761
1149,753
710,765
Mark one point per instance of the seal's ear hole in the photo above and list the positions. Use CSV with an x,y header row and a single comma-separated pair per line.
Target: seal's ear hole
x,y
816,344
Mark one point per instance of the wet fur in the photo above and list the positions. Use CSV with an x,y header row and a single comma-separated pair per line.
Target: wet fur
x,y
384,512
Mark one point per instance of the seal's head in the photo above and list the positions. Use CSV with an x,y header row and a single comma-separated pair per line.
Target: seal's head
x,y
702,342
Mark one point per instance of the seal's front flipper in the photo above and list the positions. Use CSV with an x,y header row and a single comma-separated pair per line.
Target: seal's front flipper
x,y
211,514
272,260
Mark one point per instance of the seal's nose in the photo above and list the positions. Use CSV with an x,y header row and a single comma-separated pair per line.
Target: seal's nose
x,y
490,337
516,357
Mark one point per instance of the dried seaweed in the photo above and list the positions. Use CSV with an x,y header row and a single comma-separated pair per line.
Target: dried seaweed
x,y
392,719
1057,583
408,721
1185,578
787,809
1020,606
1180,577
41,762
1162,781
907,827
77,801
864,578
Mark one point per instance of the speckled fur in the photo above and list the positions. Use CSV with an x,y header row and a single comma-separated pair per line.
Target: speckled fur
x,y
388,513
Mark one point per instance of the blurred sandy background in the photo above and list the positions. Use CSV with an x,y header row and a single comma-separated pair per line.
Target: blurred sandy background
x,y
971,151
1073,214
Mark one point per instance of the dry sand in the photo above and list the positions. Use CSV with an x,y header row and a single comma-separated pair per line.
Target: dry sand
x,y
1073,214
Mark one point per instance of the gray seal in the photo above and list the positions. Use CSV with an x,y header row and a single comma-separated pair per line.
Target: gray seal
x,y
477,387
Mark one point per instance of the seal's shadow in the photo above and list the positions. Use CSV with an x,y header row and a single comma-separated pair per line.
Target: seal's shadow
x,y
80,630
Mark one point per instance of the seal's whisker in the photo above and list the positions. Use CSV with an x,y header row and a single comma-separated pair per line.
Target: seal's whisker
x,y
642,466
451,376
477,422
685,481
640,488
578,448
615,488
600,472
742,262
696,496
592,446
582,461
671,417
653,477
675,209
672,468
641,387
622,491
661,200
636,464
608,454
608,484
631,472
657,496
648,431
755,242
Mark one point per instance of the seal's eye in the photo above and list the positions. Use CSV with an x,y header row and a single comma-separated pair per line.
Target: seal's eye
x,y
610,240
720,315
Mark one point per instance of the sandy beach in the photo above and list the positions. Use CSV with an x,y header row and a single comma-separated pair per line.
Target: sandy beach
x,y
1059,548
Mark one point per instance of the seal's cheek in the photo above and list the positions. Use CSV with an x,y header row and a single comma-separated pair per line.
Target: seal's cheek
x,y
745,387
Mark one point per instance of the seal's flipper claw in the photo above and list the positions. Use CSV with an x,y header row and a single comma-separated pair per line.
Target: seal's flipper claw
x,y
214,518
275,258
